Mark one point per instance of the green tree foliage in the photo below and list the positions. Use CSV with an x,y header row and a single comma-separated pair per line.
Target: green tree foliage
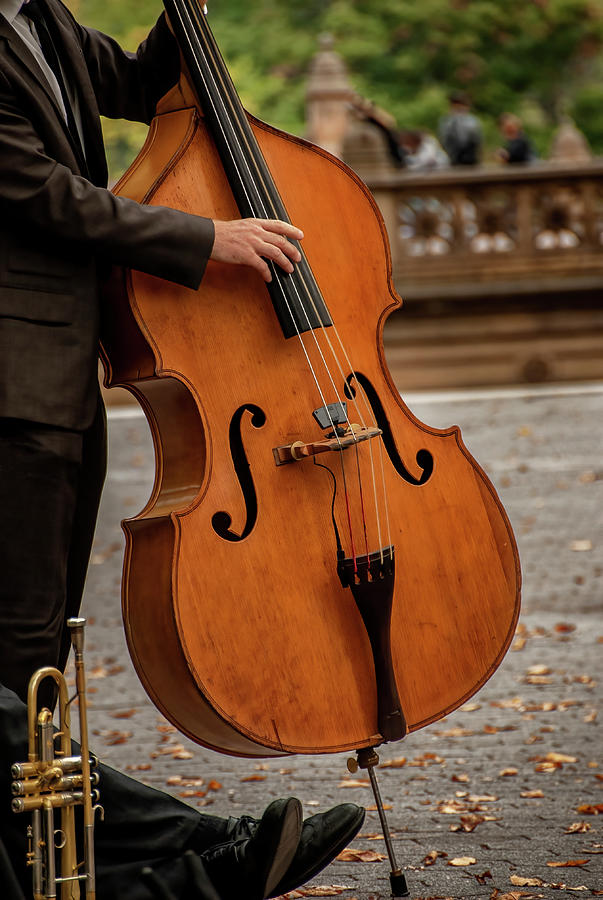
x,y
537,58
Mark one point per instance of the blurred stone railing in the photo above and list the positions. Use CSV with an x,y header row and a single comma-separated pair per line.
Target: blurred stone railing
x,y
500,268
488,231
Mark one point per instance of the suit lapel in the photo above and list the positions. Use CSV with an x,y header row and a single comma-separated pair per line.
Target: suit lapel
x,y
71,51
76,64
27,61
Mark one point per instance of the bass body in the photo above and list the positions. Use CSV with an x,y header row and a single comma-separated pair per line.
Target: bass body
x,y
236,614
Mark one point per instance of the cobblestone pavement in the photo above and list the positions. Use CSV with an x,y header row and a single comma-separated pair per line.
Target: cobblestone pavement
x,y
509,784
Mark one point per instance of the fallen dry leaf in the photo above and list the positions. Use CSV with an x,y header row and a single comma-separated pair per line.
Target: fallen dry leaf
x,y
590,809
114,737
349,855
561,757
470,822
531,795
538,670
176,751
481,879
462,778
214,785
567,704
326,890
513,895
578,828
564,627
462,861
426,759
126,714
394,763
581,546
253,778
520,881
432,856
508,772
455,732
512,703
568,863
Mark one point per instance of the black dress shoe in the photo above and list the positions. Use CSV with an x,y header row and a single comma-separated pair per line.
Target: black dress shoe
x,y
252,865
323,837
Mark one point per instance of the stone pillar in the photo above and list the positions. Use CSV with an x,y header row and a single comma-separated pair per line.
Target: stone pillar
x,y
569,145
328,98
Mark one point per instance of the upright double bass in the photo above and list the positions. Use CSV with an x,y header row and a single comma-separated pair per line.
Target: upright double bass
x,y
315,570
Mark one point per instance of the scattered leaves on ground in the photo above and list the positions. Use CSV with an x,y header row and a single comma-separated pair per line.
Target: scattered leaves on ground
x,y
462,861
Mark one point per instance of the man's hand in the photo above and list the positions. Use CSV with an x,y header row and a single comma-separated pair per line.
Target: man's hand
x,y
250,242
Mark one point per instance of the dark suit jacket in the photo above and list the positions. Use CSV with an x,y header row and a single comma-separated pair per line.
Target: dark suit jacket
x,y
58,227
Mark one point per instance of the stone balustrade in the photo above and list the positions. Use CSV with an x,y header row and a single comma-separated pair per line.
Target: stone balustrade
x,y
480,232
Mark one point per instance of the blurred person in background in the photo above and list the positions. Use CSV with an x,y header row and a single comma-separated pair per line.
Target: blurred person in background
x,y
518,148
421,150
460,132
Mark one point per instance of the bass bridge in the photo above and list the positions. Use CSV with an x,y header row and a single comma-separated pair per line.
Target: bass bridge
x,y
344,434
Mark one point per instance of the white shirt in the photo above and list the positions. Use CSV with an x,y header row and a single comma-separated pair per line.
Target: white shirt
x,y
11,10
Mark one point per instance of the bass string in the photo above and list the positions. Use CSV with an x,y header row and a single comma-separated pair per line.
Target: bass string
x,y
246,160
273,198
205,36
263,174
253,150
271,203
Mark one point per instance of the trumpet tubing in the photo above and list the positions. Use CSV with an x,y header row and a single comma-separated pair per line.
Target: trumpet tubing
x,y
53,779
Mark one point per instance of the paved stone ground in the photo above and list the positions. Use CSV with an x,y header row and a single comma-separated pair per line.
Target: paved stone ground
x,y
510,781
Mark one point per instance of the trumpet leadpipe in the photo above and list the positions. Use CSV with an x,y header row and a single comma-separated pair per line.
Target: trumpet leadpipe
x,y
42,801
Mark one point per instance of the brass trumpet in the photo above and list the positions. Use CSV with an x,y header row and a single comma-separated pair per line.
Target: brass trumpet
x,y
55,779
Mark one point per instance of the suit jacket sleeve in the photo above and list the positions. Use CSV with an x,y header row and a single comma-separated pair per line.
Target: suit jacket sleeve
x,y
129,85
39,193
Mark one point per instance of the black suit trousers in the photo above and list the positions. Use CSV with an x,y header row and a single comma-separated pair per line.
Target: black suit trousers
x,y
50,485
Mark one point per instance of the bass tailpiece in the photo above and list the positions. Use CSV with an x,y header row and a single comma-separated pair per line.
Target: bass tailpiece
x,y
371,580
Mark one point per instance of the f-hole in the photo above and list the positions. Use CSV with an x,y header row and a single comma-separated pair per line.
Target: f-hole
x,y
424,458
221,521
